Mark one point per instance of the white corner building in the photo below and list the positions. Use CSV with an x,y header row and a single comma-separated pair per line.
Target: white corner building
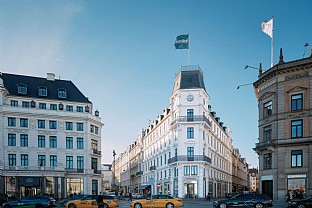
x,y
186,151
49,139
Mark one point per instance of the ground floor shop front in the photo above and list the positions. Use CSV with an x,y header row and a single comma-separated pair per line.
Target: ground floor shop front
x,y
56,186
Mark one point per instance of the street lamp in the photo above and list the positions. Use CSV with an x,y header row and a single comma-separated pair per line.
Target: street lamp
x,y
243,85
252,67
114,182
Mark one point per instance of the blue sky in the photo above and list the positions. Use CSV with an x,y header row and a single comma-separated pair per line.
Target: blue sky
x,y
121,54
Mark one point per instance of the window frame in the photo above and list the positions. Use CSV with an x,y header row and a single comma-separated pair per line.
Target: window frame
x,y
267,133
22,89
296,101
11,139
53,160
69,162
296,157
61,93
268,108
69,143
52,141
52,124
12,159
68,125
41,160
24,160
24,122
41,141
296,129
41,124
190,133
24,140
42,91
80,143
267,161
12,121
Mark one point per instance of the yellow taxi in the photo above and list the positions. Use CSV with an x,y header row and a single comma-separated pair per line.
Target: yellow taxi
x,y
90,202
164,201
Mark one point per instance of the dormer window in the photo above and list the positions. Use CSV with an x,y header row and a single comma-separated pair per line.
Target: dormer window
x,y
42,91
61,93
22,89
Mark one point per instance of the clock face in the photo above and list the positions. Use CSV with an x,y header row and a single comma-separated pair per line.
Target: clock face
x,y
190,98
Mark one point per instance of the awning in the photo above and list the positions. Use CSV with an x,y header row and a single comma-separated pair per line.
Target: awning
x,y
144,186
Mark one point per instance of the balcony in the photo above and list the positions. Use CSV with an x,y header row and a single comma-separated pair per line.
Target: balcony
x,y
152,168
32,168
197,118
139,173
96,171
96,152
74,170
183,158
283,142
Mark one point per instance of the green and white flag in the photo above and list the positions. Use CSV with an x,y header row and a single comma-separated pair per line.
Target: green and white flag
x,y
182,42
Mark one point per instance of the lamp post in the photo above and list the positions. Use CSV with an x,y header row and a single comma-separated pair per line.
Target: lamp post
x,y
114,182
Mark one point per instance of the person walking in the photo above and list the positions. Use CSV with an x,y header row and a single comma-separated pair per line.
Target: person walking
x,y
130,196
99,200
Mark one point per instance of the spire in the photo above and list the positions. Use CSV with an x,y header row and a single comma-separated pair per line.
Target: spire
x,y
260,69
281,56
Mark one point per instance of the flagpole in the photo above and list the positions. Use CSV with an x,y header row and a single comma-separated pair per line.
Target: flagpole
x,y
272,43
189,47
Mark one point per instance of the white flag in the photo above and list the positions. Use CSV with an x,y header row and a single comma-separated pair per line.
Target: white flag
x,y
267,27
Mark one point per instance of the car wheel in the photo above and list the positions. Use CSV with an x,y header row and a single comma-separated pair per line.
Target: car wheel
x,y
138,205
301,206
222,205
72,206
105,206
38,206
169,205
259,205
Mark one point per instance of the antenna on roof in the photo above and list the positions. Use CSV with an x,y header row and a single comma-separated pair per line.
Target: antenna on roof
x,y
305,45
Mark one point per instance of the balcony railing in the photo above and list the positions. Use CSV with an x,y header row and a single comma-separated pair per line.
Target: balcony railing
x,y
139,173
196,118
189,158
33,168
97,171
96,152
74,170
152,168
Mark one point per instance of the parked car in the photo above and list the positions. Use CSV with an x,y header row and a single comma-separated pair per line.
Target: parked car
x,y
90,202
245,200
32,201
300,203
64,201
3,199
137,196
157,201
230,195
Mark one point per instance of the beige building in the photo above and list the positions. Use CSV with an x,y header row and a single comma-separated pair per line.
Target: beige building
x,y
285,142
240,181
253,180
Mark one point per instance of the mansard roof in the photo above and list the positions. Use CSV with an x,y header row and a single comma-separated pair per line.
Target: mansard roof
x,y
12,81
189,79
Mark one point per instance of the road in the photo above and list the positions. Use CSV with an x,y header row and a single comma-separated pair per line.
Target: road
x,y
200,204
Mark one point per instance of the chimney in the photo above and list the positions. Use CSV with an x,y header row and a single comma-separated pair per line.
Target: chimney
x,y
51,76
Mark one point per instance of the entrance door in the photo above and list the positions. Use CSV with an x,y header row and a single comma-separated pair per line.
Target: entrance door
x,y
29,191
267,188
190,190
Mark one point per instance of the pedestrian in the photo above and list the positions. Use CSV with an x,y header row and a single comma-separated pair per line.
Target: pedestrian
x,y
130,196
99,200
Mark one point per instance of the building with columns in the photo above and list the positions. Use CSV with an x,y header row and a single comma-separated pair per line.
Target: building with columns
x,y
285,141
186,151
49,138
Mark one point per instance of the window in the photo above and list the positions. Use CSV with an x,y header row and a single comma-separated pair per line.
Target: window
x,y
190,132
94,144
267,161
25,104
61,93
42,106
42,91
79,109
92,128
267,133
52,124
69,162
80,164
297,102
96,130
53,142
41,160
53,107
69,108
94,163
12,139
11,121
12,159
14,103
23,122
61,106
69,142
53,160
24,140
24,160
297,128
194,170
22,89
41,141
296,158
79,126
41,124
190,114
190,152
186,170
267,109
69,125
79,143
